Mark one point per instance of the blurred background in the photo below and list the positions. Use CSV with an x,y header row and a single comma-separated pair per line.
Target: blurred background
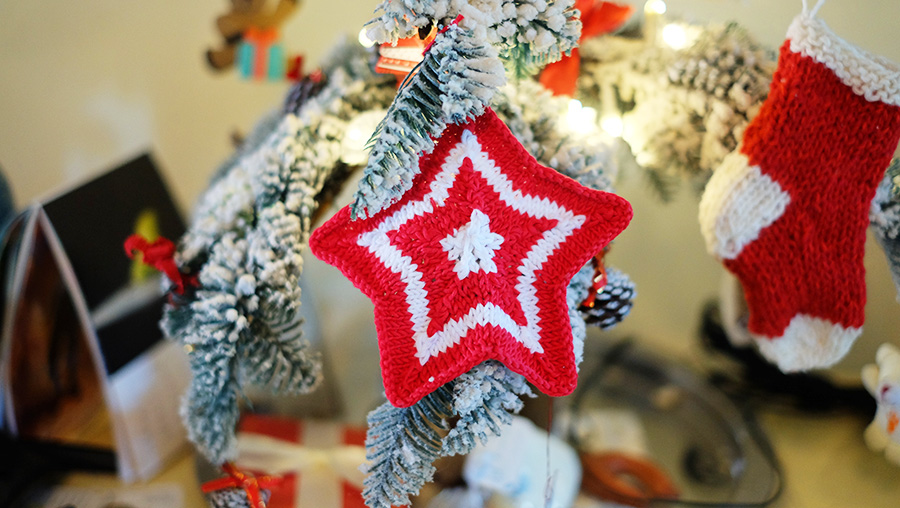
x,y
87,85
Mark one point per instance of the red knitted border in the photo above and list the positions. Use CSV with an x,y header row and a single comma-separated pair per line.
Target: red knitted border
x,y
552,371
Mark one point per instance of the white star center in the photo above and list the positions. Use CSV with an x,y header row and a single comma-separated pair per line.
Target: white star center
x,y
472,246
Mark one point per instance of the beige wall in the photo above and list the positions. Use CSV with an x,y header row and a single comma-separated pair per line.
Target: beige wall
x,y
87,84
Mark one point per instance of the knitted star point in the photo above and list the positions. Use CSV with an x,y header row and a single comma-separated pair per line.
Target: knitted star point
x,y
473,262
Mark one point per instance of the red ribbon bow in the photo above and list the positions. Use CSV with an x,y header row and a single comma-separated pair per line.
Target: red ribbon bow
x,y
599,281
597,18
247,482
159,254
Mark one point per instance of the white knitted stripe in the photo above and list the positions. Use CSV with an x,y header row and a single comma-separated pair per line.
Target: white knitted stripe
x,y
377,241
874,77
808,343
738,202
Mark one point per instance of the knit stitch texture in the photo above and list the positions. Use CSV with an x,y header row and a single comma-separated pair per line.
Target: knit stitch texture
x,y
473,262
788,211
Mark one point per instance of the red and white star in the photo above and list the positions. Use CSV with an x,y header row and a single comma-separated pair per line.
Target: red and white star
x,y
473,262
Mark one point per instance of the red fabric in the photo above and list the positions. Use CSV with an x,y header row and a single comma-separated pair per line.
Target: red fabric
x,y
828,148
291,430
446,296
159,254
597,18
561,77
279,428
295,68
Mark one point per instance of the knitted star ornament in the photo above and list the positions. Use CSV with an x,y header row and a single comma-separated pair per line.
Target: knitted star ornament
x,y
473,262
787,212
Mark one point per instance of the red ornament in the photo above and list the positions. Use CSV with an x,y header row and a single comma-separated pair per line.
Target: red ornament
x,y
473,262
597,18
403,56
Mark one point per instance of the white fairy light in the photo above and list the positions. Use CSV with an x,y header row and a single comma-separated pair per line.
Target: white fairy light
x,y
655,7
359,130
675,36
579,118
364,39
612,124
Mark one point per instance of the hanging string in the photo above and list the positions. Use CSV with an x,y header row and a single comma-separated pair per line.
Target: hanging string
x,y
815,9
551,478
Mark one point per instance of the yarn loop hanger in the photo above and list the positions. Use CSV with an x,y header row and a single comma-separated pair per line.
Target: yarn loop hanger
x,y
815,9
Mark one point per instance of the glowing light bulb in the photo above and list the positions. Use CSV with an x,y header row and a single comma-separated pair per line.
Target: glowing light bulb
x,y
655,6
612,124
580,118
364,39
359,130
675,36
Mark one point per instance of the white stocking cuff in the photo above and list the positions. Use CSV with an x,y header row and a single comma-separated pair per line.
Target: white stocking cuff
x,y
874,77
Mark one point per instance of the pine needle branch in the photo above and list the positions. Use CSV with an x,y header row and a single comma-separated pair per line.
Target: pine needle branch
x,y
401,445
211,402
454,82
484,399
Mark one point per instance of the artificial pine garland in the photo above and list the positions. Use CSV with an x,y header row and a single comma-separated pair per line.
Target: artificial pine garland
x,y
400,463
683,110
240,322
454,82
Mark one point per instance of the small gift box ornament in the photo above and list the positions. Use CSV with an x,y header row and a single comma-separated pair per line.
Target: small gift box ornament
x,y
404,55
319,461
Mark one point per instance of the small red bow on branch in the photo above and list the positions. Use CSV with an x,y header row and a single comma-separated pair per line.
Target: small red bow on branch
x,y
442,30
159,254
238,479
597,18
599,281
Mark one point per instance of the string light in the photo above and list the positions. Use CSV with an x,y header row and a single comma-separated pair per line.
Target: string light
x,y
675,36
655,7
364,39
579,118
612,124
359,130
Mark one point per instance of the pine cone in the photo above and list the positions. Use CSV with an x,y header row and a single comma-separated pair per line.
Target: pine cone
x,y
613,302
233,498
302,91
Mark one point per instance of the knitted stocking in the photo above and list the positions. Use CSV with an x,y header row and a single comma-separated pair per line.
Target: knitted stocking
x,y
787,212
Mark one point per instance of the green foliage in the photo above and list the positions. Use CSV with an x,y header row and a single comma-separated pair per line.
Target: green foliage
x,y
401,445
454,82
534,33
240,324
281,361
211,403
484,399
